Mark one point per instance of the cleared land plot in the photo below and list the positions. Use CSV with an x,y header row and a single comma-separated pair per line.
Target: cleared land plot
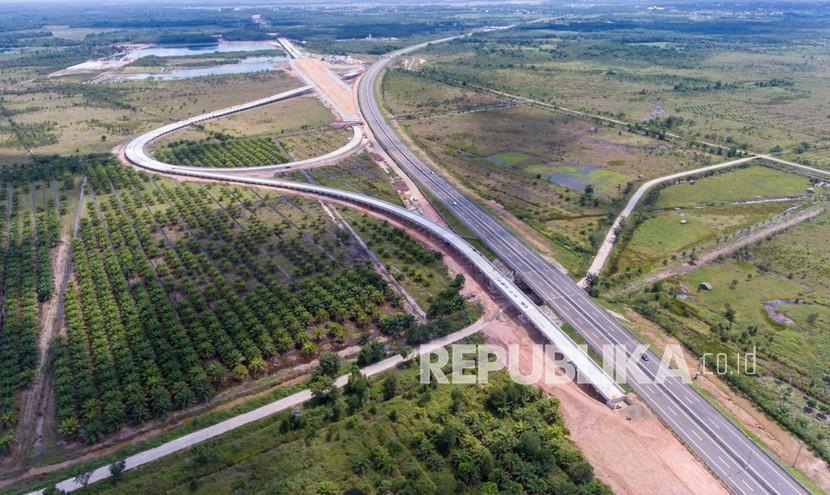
x,y
357,173
544,143
679,221
665,236
313,144
296,114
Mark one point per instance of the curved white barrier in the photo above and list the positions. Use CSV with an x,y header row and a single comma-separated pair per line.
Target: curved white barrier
x,y
136,150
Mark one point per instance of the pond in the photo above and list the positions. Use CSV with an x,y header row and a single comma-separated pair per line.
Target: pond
x,y
246,65
188,50
574,177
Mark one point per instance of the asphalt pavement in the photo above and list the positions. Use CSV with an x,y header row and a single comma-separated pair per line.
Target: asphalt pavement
x,y
743,466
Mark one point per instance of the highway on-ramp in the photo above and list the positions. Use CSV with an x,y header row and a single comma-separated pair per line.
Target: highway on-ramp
x,y
743,466
138,147
135,152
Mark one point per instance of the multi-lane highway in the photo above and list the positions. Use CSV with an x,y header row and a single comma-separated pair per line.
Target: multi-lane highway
x,y
732,456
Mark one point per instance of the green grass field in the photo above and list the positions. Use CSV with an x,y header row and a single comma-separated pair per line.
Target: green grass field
x,y
691,216
663,236
511,158
740,185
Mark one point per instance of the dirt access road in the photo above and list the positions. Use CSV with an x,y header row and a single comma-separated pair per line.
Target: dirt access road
x,y
37,409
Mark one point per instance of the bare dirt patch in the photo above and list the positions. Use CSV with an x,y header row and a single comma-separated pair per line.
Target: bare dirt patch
x,y
333,89
630,450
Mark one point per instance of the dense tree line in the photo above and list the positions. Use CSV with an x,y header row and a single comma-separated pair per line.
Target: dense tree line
x,y
507,439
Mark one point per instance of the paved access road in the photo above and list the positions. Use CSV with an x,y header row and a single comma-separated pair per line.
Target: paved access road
x,y
743,466
608,244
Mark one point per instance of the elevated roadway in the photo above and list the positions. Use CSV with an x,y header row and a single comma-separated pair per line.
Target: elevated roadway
x,y
589,371
137,148
743,466
289,48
